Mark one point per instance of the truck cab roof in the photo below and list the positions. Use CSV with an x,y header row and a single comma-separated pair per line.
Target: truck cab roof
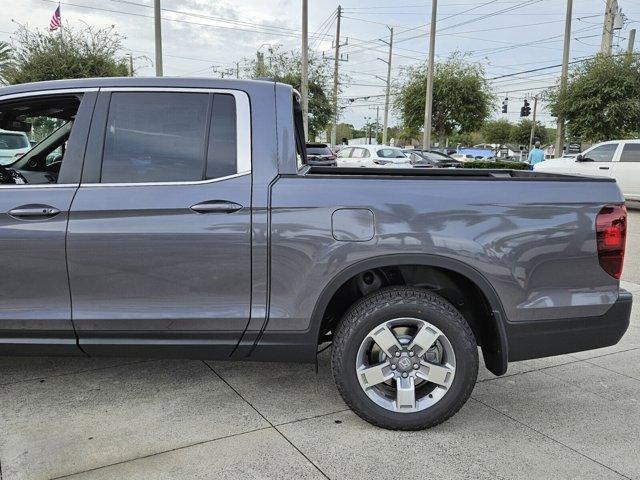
x,y
114,82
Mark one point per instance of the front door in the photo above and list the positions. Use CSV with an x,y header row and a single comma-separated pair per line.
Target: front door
x,y
596,161
159,242
35,196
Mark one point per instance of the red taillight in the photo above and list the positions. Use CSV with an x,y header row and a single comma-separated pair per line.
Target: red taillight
x,y
611,236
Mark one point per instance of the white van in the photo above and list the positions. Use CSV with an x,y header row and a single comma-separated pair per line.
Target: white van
x,y
619,159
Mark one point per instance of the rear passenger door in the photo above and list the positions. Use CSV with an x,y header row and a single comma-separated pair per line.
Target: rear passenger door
x,y
343,157
358,157
626,170
158,241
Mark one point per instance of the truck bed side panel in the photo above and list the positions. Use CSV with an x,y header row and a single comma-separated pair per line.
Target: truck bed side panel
x,y
533,241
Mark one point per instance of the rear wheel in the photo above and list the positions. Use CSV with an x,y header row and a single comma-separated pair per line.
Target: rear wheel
x,y
404,358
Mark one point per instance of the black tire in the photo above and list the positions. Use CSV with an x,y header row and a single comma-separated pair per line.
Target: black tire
x,y
396,302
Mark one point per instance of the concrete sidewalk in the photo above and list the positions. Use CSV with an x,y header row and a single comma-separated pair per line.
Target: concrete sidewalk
x,y
571,416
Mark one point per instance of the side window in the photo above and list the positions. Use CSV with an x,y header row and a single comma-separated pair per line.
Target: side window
x,y
603,153
344,153
34,136
358,153
631,153
222,151
155,137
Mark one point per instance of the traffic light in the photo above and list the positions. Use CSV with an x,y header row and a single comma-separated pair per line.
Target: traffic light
x,y
505,104
525,111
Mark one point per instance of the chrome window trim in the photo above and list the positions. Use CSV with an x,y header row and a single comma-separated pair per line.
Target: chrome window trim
x,y
243,131
38,93
146,184
39,185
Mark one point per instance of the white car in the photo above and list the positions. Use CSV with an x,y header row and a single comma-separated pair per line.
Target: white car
x,y
619,159
372,156
12,146
463,157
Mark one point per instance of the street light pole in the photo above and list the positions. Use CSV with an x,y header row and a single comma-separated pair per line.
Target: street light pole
x,y
607,29
428,104
563,77
157,17
304,90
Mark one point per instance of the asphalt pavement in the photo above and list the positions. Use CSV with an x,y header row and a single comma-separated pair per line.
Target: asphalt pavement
x,y
571,416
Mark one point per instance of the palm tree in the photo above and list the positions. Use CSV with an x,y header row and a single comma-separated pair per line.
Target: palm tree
x,y
6,59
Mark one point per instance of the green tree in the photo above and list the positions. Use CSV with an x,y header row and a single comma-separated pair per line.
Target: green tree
x,y
461,97
497,131
601,100
69,53
521,132
6,59
286,67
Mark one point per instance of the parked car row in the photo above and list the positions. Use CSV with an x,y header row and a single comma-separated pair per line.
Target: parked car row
x,y
320,154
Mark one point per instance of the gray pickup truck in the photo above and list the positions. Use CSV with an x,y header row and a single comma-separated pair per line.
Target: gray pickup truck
x,y
176,218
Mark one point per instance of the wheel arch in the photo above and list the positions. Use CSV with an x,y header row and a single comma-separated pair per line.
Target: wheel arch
x,y
495,354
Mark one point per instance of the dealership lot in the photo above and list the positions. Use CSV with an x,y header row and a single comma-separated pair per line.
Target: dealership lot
x,y
571,416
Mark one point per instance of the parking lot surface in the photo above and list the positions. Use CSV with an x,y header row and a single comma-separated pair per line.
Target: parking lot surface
x,y
571,416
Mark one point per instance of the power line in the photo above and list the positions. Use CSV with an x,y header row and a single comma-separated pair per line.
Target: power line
x,y
141,15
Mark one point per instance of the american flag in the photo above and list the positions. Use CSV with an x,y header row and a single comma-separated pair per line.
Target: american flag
x,y
56,20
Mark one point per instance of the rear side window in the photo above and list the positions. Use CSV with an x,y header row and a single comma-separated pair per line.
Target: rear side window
x,y
155,137
631,153
390,153
169,137
222,151
358,153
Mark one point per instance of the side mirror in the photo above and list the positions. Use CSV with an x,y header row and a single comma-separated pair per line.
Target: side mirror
x,y
579,158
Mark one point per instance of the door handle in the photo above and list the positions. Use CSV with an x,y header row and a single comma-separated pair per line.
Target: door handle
x,y
216,206
34,212
603,168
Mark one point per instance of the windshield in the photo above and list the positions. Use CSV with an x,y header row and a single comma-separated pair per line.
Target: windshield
x,y
13,141
390,153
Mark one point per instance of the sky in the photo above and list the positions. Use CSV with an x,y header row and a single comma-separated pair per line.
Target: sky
x,y
207,37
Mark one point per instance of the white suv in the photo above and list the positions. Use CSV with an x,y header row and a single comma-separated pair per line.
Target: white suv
x,y
12,146
619,159
372,156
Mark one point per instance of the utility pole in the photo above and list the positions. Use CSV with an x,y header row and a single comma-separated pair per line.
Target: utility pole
x,y
157,17
610,12
260,64
533,125
335,80
130,65
428,104
304,90
377,122
563,77
632,41
237,69
386,99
